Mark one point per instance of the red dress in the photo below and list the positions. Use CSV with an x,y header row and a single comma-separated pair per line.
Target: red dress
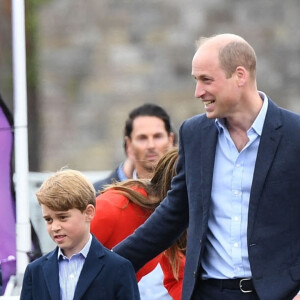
x,y
116,217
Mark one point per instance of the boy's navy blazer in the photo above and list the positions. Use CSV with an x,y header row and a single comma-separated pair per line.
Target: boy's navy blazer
x,y
273,233
105,275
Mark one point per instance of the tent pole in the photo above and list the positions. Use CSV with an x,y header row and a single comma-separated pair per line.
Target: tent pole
x,y
23,231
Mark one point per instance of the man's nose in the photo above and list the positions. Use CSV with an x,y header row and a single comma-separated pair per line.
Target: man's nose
x,y
151,142
199,90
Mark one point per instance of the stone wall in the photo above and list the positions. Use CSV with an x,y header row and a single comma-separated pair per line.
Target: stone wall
x,y
98,59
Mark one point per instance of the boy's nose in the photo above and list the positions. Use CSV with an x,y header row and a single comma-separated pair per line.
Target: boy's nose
x,y
55,226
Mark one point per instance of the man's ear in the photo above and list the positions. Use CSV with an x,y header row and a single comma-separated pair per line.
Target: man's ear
x,y
129,151
241,75
90,212
172,139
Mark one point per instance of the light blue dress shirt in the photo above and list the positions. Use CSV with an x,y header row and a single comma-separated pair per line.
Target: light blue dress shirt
x,y
70,269
226,254
121,173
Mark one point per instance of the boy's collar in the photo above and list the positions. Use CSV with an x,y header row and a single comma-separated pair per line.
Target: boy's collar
x,y
84,251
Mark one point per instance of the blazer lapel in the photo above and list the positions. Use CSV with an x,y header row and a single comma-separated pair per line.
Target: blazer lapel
x,y
92,266
209,136
267,149
51,274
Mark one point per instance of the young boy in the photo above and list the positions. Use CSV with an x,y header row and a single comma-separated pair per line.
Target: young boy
x,y
80,267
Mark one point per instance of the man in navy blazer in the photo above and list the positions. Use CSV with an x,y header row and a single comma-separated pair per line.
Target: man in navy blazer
x,y
237,189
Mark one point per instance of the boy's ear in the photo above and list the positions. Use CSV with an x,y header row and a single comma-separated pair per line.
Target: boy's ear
x,y
90,212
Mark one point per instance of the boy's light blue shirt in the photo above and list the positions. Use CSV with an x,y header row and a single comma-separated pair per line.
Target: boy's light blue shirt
x,y
70,269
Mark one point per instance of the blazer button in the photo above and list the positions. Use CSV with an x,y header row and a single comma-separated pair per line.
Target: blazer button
x,y
195,274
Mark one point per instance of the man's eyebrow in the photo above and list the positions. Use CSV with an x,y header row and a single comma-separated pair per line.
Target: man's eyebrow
x,y
142,135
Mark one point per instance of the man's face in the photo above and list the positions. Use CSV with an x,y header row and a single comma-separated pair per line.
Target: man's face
x,y
220,95
148,142
68,229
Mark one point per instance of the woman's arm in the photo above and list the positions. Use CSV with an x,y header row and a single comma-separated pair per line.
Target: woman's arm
x,y
173,285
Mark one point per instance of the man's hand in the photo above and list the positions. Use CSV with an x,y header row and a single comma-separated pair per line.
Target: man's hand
x,y
297,297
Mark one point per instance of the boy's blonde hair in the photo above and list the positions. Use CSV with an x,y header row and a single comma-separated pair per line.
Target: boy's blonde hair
x,y
66,189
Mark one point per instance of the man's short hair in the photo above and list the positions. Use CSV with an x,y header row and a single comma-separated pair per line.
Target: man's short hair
x,y
66,189
150,110
234,54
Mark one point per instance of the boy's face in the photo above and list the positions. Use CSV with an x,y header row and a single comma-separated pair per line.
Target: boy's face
x,y
69,229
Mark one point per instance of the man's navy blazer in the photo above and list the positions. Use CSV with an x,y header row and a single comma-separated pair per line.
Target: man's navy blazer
x,y
105,275
273,233
112,177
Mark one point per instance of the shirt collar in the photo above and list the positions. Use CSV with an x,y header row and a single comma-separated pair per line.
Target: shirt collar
x,y
84,251
258,123
134,174
121,173
260,119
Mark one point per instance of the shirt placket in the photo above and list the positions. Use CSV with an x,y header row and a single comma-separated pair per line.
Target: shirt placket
x,y
236,217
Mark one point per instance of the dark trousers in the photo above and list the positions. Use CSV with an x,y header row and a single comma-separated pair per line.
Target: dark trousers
x,y
205,291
